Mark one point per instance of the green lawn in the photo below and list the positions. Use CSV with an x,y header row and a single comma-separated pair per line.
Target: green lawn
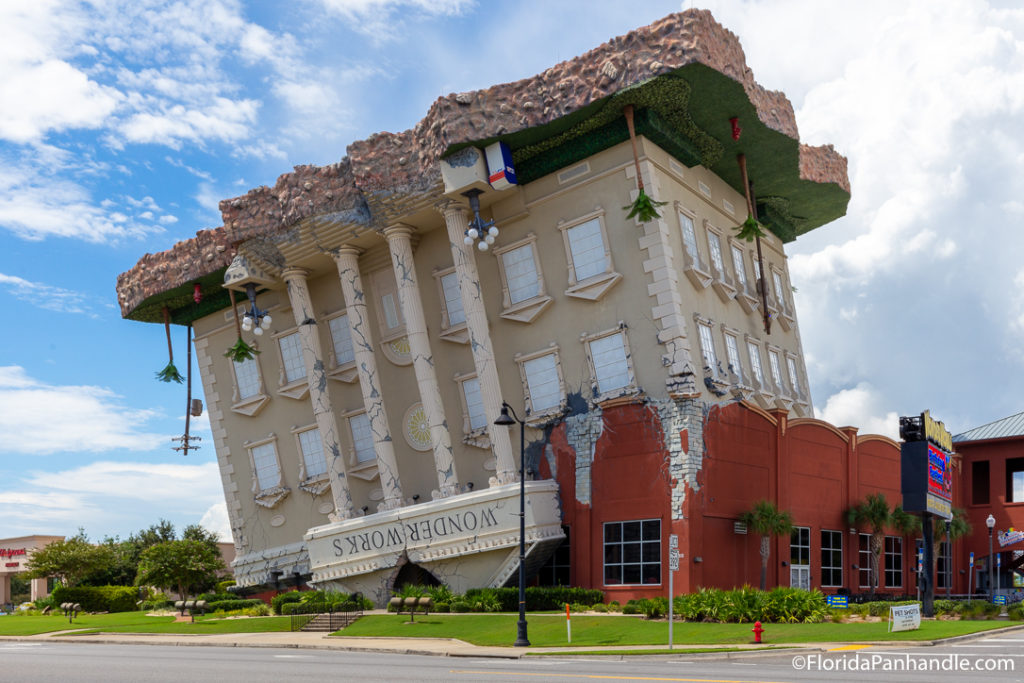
x,y
137,622
604,631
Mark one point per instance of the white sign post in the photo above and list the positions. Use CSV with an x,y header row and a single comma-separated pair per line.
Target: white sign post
x,y
673,567
905,618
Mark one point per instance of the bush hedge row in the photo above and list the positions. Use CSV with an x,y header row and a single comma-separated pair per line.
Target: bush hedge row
x,y
99,598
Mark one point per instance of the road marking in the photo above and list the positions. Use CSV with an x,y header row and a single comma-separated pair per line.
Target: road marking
x,y
1004,640
293,656
848,647
615,678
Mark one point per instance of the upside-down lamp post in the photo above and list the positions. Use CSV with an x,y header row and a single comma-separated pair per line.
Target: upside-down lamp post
x,y
990,522
508,420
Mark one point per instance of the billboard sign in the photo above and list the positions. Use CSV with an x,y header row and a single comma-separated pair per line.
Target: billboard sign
x,y
926,479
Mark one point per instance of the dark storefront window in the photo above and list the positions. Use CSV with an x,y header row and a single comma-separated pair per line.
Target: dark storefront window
x,y
864,560
979,482
831,558
944,567
1015,480
893,562
555,571
632,552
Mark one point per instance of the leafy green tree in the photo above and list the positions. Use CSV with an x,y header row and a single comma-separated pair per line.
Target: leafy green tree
x,y
767,521
69,560
187,567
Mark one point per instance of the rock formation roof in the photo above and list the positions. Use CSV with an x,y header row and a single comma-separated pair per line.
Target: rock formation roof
x,y
686,76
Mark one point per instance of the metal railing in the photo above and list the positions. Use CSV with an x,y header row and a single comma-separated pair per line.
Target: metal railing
x,y
334,616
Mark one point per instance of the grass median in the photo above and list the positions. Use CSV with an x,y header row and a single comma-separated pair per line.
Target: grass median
x,y
608,631
137,622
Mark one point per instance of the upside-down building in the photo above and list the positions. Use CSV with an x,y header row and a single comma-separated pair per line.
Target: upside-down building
x,y
484,256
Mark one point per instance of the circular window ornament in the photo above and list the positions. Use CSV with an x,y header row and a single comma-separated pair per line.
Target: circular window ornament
x,y
416,428
398,351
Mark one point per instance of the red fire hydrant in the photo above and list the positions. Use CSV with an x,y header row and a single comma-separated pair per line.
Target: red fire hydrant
x,y
757,631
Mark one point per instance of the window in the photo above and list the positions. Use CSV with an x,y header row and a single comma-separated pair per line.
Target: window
x,y
791,366
522,283
831,558
521,274
944,567
341,339
609,359
389,309
707,348
780,291
979,482
733,354
893,562
632,553
587,249
1015,480
800,545
362,438
864,560
247,376
556,571
740,266
773,361
689,237
312,448
715,249
755,362
266,466
292,366
452,299
542,382
474,403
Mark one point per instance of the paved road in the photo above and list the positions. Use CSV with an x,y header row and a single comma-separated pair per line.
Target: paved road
x,y
41,661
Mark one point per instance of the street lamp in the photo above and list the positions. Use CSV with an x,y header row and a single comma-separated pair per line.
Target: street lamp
x,y
990,522
508,420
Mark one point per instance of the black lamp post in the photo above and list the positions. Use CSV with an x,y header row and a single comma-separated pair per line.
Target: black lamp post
x,y
508,420
990,522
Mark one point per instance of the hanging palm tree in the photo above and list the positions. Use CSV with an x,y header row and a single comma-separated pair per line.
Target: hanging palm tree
x,y
767,521
644,208
240,351
170,372
875,514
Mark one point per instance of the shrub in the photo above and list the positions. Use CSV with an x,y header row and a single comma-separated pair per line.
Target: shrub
x,y
99,598
441,607
440,594
630,608
599,607
614,606
281,598
459,605
233,604
222,587
1016,612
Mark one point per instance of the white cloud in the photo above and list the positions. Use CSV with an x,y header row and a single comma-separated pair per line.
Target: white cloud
x,y
215,519
862,407
383,19
46,296
38,418
134,480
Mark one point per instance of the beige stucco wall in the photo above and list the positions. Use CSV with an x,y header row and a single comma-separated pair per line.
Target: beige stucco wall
x,y
537,208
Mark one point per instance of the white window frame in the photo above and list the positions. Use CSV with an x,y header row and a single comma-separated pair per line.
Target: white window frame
x,y
628,389
474,436
296,388
756,363
892,557
795,380
540,416
722,281
705,333
249,406
732,355
457,332
383,283
528,309
345,371
266,496
364,469
864,561
592,287
800,570
315,482
739,264
695,267
775,368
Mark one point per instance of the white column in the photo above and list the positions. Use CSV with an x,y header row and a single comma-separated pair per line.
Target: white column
x,y
5,588
312,355
400,244
479,337
347,260
39,589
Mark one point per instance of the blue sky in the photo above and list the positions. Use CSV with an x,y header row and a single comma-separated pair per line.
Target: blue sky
x,y
123,123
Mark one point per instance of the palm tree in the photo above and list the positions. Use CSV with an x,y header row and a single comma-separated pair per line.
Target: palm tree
x,y
767,520
958,528
874,513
